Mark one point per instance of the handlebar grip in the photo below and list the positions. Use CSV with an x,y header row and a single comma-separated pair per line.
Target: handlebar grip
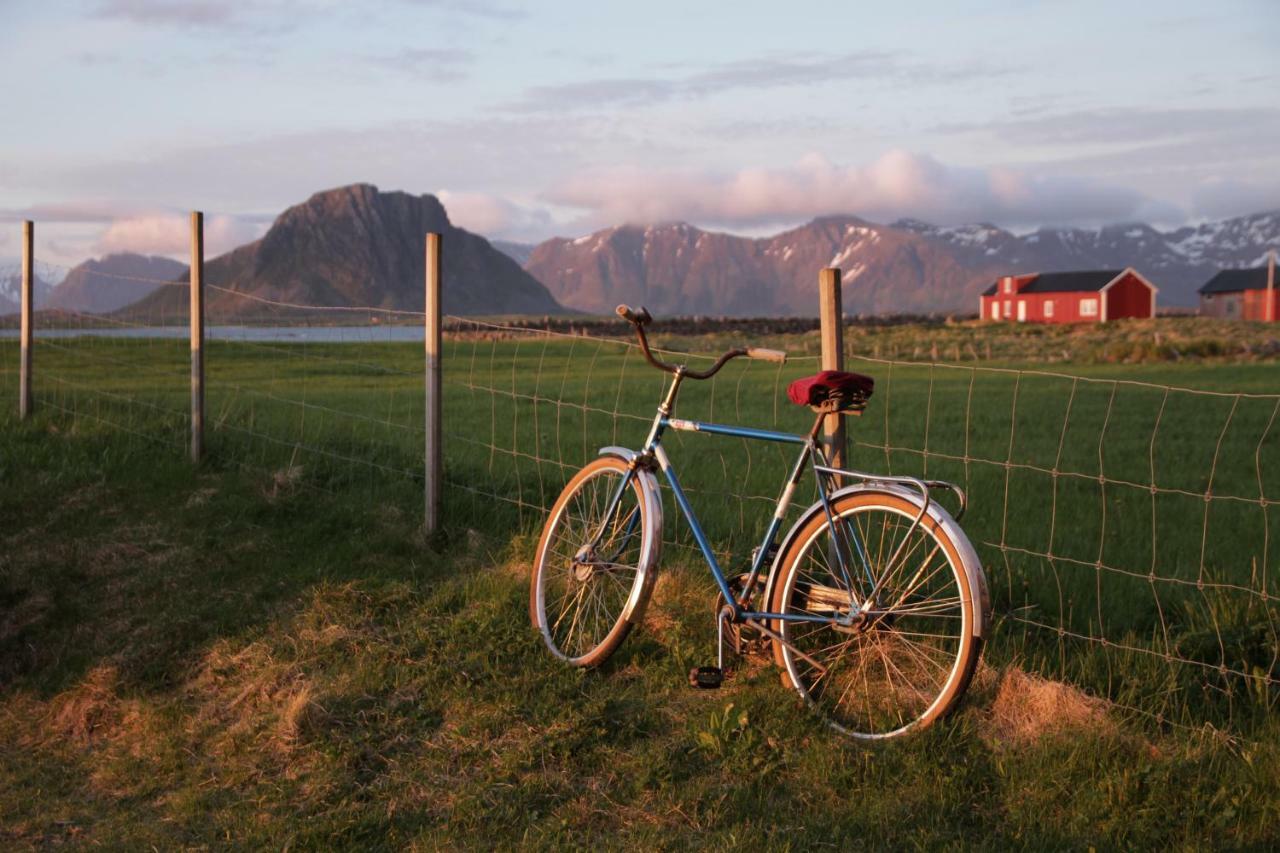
x,y
767,354
638,316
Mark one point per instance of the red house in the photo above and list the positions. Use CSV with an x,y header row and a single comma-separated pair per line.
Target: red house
x,y
1249,294
1069,297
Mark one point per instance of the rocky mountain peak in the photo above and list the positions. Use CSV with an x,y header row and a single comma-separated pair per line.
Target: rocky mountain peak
x,y
908,266
359,246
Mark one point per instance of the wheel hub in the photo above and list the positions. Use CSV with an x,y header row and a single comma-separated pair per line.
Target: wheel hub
x,y
584,564
854,623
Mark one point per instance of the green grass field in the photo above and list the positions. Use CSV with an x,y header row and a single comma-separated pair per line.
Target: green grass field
x,y
265,651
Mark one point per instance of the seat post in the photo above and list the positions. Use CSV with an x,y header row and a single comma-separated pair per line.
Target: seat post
x,y
817,426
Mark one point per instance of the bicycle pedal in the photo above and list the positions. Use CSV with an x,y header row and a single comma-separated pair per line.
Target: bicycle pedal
x,y
706,677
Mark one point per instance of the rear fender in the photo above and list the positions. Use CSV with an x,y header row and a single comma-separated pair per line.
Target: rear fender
x,y
935,511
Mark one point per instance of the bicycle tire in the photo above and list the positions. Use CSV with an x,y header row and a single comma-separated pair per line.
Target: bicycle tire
x,y
601,599
938,630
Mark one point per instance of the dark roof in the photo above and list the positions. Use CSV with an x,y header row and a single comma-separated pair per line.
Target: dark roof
x,y
1064,282
1231,281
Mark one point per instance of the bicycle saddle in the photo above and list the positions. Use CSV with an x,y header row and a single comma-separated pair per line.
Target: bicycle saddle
x,y
832,389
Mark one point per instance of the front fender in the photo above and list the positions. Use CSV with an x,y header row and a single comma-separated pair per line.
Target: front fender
x,y
651,540
938,513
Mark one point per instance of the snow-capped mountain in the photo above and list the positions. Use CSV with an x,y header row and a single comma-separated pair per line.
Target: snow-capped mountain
x,y
11,287
908,266
1177,261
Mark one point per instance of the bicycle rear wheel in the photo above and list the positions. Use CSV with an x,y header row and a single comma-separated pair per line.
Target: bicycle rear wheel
x,y
593,569
905,661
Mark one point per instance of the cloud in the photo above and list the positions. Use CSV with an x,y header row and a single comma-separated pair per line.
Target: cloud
x,y
618,92
494,216
897,184
73,211
1218,199
1125,126
180,13
1214,162
475,8
256,17
170,234
753,74
270,171
440,64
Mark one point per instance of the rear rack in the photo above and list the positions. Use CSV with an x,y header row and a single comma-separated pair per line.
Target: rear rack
x,y
924,487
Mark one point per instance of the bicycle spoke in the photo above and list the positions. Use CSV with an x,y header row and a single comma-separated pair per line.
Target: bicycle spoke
x,y
590,563
890,665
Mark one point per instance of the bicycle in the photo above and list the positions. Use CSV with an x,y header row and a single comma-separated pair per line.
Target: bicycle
x,y
874,602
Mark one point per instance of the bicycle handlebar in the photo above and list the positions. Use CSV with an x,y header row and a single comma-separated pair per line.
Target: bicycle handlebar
x,y
640,317
635,317
767,354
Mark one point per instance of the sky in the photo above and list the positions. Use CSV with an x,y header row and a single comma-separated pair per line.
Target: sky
x,y
555,118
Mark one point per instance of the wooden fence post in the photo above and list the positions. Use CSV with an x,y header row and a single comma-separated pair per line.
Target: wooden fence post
x,y
432,320
1270,315
832,332
197,336
28,305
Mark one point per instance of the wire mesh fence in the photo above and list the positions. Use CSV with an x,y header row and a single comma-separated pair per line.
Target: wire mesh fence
x,y
1128,529
329,404
525,409
120,374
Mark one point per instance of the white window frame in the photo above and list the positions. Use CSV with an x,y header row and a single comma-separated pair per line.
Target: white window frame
x,y
1089,306
995,310
1048,308
1008,285
1022,310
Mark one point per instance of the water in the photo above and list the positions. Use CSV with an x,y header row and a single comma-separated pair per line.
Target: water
x,y
279,334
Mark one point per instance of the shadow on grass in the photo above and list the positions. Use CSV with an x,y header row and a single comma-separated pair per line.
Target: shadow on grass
x,y
120,553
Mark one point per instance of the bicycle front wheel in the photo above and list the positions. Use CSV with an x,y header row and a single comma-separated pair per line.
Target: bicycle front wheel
x,y
896,646
594,565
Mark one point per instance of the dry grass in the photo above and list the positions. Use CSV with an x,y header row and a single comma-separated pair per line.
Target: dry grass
x,y
1024,709
282,482
250,698
91,711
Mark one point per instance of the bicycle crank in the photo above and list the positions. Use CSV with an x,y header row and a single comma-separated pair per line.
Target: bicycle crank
x,y
733,640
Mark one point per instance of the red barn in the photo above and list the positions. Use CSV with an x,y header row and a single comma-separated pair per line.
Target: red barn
x,y
1243,294
1069,297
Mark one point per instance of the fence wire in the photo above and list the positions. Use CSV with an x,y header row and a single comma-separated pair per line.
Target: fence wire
x,y
329,401
525,409
1128,529
112,374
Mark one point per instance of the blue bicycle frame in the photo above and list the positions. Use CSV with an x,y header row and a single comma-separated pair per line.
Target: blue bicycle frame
x,y
810,452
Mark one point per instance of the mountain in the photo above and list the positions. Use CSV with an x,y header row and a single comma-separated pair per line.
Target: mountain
x,y
906,267
518,252
11,287
680,269
1176,261
357,246
107,284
